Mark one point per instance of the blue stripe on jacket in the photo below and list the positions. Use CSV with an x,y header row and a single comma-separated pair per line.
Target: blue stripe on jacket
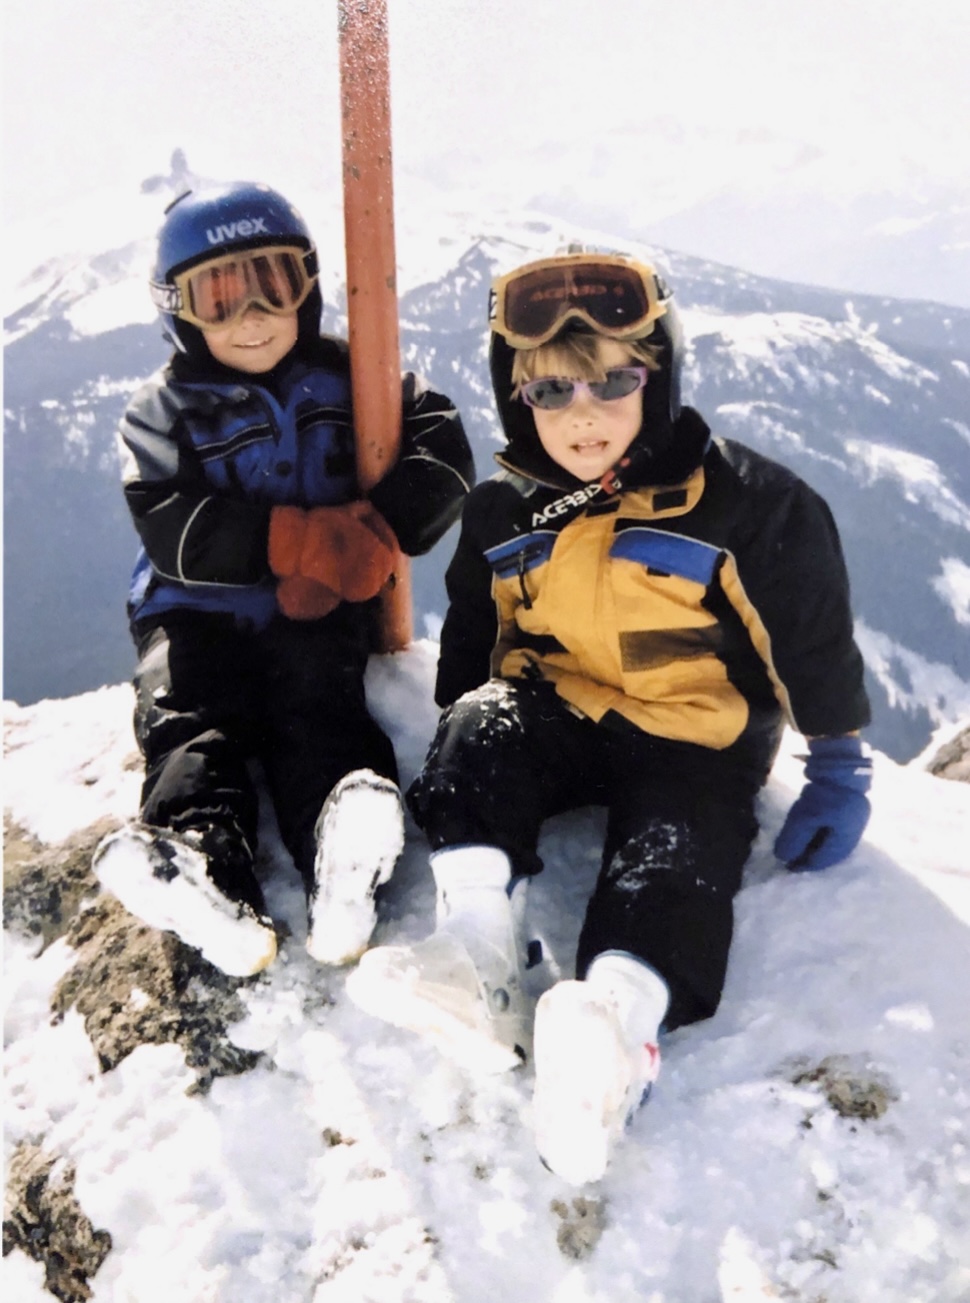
x,y
670,554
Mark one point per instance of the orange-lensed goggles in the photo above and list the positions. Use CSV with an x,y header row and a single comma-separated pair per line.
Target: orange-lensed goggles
x,y
277,279
614,296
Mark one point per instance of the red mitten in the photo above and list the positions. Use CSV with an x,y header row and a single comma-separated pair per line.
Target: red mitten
x,y
351,549
372,562
300,598
328,540
287,532
373,519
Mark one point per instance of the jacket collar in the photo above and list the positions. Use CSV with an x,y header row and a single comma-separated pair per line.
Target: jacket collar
x,y
552,508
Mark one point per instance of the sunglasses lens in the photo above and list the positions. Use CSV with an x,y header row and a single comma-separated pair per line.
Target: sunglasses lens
x,y
550,393
618,384
554,392
613,297
217,292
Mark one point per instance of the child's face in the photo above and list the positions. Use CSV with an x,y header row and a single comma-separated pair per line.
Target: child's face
x,y
254,342
589,437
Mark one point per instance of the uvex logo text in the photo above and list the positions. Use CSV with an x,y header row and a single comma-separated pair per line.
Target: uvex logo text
x,y
242,230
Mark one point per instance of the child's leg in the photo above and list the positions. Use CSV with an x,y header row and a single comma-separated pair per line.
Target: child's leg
x,y
332,775
193,721
680,830
653,949
188,866
504,758
316,725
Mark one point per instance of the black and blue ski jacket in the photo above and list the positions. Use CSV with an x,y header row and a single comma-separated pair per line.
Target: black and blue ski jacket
x,y
208,454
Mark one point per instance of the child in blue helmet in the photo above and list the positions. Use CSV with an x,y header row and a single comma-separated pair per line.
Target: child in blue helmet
x,y
636,610
252,604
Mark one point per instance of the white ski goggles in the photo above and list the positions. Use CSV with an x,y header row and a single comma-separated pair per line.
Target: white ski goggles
x,y
276,278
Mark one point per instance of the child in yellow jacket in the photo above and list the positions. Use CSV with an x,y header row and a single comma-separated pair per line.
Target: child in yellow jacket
x,y
636,610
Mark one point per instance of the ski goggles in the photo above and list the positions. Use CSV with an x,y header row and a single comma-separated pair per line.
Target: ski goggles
x,y
613,295
276,278
551,393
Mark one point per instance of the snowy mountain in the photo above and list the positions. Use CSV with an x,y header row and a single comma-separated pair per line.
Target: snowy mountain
x,y
171,1133
850,215
866,398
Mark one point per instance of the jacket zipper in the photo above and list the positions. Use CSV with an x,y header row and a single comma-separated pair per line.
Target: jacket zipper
x,y
527,554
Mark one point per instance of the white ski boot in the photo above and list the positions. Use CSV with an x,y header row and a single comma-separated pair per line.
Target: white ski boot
x,y
359,834
596,1056
461,987
162,878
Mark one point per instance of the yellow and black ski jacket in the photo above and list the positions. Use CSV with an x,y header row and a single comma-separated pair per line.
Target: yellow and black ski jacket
x,y
707,611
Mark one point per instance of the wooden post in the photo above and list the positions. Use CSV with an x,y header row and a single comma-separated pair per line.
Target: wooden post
x,y
375,365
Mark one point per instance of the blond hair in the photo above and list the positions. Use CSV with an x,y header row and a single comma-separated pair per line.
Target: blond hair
x,y
575,355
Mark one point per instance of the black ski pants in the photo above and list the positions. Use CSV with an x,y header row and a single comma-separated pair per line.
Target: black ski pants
x,y
680,824
211,697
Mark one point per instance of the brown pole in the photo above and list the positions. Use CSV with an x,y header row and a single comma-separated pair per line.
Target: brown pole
x,y
372,321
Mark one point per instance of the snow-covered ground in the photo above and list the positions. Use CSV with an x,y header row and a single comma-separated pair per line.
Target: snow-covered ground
x,y
808,1143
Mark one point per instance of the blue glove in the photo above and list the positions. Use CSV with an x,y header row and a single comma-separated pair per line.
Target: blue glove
x,y
827,821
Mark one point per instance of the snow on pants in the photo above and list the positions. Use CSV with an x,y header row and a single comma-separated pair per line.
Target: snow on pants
x,y
211,697
680,824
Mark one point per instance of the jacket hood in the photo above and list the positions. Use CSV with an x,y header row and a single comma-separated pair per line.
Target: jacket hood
x,y
668,447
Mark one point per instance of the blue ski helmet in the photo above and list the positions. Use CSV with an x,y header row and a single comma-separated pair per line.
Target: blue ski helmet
x,y
219,219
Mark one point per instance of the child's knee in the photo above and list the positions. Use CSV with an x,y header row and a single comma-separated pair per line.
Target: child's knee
x,y
482,721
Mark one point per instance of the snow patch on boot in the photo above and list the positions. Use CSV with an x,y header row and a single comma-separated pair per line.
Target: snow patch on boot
x,y
435,989
164,881
588,1081
461,988
359,835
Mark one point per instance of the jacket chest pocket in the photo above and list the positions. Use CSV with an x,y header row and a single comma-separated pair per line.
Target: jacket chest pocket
x,y
664,554
661,582
517,565
305,458
240,454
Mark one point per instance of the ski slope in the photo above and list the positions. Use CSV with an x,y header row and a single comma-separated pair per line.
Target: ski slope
x,y
808,1143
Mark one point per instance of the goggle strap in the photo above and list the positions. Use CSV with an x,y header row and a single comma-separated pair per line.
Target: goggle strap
x,y
166,298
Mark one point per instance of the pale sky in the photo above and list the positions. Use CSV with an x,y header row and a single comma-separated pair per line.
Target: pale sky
x,y
97,93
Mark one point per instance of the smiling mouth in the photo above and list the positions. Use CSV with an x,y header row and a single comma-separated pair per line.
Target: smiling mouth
x,y
255,343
